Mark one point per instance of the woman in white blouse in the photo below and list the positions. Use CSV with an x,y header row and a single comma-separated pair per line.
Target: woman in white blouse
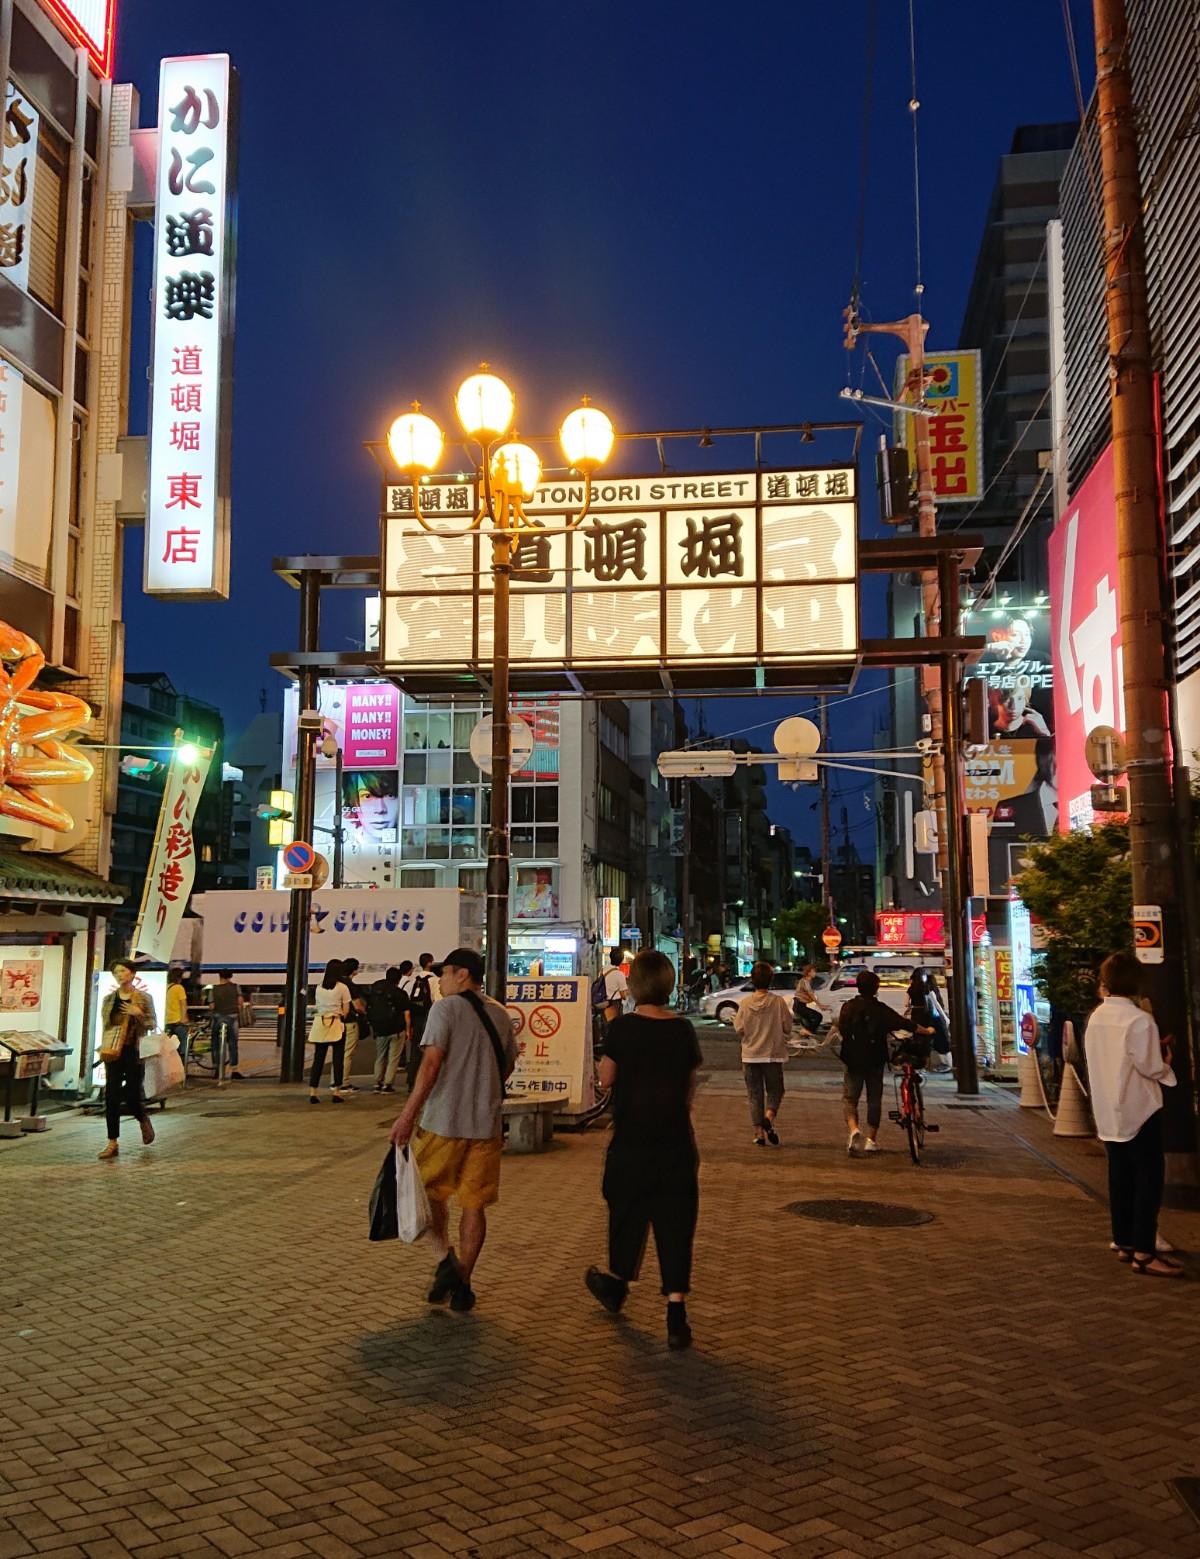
x,y
329,1031
1128,1067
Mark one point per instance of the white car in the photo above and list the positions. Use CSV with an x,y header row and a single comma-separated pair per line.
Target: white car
x,y
841,985
724,1003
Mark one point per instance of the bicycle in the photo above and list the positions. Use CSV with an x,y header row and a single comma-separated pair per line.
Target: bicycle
x,y
910,1106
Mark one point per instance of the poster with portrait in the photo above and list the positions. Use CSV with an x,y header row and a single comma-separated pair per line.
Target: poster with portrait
x,y
369,822
535,893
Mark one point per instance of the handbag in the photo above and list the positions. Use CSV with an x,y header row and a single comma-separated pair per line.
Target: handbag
x,y
112,1050
399,1205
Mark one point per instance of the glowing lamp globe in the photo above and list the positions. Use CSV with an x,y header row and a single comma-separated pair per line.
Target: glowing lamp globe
x,y
516,469
187,752
485,405
415,441
587,437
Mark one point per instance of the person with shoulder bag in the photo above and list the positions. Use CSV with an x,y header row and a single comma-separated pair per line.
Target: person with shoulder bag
x,y
422,989
388,1011
328,1032
453,1117
864,1024
126,1014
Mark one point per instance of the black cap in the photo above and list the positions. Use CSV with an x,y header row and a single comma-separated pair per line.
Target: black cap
x,y
463,958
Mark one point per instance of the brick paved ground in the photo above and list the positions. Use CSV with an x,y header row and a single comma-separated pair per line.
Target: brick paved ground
x,y
204,1355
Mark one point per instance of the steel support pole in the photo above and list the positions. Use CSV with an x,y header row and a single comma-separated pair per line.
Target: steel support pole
x,y
295,998
954,898
1140,565
339,811
498,843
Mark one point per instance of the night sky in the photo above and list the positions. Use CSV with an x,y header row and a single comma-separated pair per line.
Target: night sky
x,y
653,204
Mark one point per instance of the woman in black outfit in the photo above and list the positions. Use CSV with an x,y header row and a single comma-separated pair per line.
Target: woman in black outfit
x,y
651,1173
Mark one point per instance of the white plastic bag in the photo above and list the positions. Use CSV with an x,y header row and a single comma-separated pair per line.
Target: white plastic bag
x,y
413,1217
151,1044
163,1070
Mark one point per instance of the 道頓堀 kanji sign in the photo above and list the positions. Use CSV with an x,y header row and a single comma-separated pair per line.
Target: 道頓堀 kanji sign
x,y
187,503
173,864
723,578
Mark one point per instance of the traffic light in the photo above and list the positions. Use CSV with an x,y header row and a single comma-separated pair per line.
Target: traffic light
x,y
977,712
891,474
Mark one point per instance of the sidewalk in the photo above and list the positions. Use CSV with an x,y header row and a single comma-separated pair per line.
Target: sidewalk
x,y
204,1355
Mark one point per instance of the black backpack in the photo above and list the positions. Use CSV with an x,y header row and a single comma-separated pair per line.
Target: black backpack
x,y
383,1009
421,995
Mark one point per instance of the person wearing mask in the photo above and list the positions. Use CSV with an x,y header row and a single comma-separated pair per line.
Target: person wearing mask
x,y
387,1008
763,1023
1128,1066
125,1014
357,1025
651,1170
453,1117
864,1024
226,1019
177,1011
328,1032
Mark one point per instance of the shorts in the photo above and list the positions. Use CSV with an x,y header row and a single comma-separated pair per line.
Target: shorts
x,y
465,1167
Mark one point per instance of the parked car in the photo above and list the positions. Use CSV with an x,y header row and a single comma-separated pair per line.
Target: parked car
x,y
893,984
724,1003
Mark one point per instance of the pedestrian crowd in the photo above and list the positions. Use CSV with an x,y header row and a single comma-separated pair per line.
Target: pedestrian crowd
x,y
458,1049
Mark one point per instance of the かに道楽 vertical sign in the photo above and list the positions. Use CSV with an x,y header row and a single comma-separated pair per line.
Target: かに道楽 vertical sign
x,y
187,504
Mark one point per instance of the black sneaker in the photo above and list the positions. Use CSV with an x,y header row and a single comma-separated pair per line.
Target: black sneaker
x,y
446,1280
238,1076
679,1333
772,1136
462,1299
610,1291
387,1088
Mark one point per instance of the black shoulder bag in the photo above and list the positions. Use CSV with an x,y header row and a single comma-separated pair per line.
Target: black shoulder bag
x,y
481,1013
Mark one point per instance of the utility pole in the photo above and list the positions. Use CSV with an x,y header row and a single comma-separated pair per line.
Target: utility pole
x,y
826,853
295,995
941,687
1140,564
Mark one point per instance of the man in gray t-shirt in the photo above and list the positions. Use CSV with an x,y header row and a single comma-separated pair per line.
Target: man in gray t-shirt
x,y
456,1099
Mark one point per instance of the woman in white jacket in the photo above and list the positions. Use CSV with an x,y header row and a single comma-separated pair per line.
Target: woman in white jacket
x,y
764,1024
1128,1067
329,1031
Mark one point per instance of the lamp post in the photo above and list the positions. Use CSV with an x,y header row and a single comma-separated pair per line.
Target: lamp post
x,y
509,472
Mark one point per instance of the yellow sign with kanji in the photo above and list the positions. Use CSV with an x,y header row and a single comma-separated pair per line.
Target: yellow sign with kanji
x,y
956,428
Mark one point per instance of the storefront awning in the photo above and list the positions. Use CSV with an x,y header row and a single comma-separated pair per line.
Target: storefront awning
x,y
29,878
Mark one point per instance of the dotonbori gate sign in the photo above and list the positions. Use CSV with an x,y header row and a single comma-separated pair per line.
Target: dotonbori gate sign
x,y
723,582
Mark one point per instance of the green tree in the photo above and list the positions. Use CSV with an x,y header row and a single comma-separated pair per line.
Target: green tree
x,y
1079,886
805,922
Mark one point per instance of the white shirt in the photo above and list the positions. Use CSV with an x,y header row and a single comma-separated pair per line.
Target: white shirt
x,y
1126,1069
329,1020
614,984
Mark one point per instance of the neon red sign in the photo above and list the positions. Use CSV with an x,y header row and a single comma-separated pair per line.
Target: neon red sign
x,y
909,928
91,24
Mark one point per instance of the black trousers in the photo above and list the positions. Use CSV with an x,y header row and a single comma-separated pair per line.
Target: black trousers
x,y
642,1196
1135,1186
123,1088
318,1066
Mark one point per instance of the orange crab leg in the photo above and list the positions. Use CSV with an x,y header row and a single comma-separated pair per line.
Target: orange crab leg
x,y
29,807
51,762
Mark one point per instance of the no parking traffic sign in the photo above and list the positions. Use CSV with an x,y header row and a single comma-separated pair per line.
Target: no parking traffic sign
x,y
298,856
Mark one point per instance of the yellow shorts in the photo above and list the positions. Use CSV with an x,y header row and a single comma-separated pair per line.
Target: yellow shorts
x,y
465,1167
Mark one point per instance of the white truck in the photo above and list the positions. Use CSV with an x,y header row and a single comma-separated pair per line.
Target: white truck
x,y
246,931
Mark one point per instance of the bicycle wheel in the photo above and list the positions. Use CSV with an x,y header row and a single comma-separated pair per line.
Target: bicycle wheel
x,y
914,1118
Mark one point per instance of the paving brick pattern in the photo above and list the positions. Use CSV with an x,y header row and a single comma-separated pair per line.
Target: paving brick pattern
x,y
203,1355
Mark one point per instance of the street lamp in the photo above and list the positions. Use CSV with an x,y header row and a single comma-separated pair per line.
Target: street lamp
x,y
509,474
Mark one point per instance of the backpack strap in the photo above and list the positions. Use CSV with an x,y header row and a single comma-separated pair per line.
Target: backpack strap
x,y
481,1012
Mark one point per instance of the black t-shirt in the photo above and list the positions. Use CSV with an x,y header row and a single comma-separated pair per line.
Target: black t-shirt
x,y
655,1059
864,1024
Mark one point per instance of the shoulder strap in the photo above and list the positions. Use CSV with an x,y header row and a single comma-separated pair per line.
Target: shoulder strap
x,y
481,1012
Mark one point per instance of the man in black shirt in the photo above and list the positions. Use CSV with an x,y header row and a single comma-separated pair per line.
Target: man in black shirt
x,y
864,1024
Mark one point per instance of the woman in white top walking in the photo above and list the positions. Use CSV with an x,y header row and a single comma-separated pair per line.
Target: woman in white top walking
x,y
764,1023
1128,1066
329,1031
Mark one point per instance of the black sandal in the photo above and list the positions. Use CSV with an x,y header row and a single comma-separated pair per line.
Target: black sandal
x,y
1146,1266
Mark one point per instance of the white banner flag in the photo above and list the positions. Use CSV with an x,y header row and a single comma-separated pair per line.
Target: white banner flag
x,y
173,865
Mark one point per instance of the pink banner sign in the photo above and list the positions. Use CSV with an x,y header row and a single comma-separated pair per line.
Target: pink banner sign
x,y
372,726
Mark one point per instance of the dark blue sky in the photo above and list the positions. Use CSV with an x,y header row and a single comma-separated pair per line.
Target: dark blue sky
x,y
653,203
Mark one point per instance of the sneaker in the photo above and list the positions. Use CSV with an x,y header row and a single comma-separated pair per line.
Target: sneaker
x,y
237,1076
772,1135
854,1142
759,1142
314,1098
348,1088
447,1279
335,1097
462,1299
871,1146
378,1087
679,1333
387,1088
610,1291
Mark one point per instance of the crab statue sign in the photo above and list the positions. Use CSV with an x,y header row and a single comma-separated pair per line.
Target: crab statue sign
x,y
33,722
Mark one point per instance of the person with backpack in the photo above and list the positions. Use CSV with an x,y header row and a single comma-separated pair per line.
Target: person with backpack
x,y
421,986
357,1024
388,1013
763,1023
864,1024
453,1117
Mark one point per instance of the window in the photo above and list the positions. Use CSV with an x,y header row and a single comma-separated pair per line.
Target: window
x,y
613,737
613,808
409,878
49,226
611,881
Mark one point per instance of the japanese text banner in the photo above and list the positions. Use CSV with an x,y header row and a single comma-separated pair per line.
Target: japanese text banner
x,y
173,864
187,502
955,429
